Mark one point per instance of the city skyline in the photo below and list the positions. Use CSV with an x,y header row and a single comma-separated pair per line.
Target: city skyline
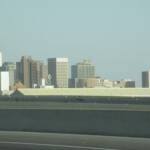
x,y
45,62
31,73
75,74
113,34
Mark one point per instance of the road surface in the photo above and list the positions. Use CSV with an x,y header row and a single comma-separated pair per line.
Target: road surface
x,y
52,141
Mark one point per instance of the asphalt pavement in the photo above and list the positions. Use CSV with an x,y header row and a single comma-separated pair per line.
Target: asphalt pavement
x,y
53,141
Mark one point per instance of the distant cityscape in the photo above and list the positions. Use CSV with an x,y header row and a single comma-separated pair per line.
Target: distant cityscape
x,y
30,73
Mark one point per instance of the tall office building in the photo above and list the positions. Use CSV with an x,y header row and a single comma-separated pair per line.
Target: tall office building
x,y
58,72
23,71
146,79
33,74
25,66
44,71
83,75
19,76
36,73
83,70
29,72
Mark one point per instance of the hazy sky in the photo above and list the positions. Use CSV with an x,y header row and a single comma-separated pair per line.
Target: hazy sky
x,y
114,34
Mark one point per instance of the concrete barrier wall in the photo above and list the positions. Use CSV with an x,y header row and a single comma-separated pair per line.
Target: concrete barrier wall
x,y
121,123
78,99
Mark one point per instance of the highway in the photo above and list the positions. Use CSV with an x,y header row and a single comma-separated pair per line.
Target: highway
x,y
44,125
53,141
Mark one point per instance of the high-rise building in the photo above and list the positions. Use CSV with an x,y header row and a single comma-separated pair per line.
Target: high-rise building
x,y
25,66
58,72
44,71
44,75
146,79
83,70
33,74
36,73
83,75
19,72
11,68
24,71
29,72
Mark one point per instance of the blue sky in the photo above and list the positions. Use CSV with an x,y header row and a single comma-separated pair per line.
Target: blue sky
x,y
114,34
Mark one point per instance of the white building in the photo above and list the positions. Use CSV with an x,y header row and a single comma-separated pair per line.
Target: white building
x,y
4,81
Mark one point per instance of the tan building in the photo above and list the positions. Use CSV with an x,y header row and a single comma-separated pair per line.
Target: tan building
x,y
83,75
86,83
33,74
58,71
44,71
37,73
25,72
83,70
29,72
146,79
